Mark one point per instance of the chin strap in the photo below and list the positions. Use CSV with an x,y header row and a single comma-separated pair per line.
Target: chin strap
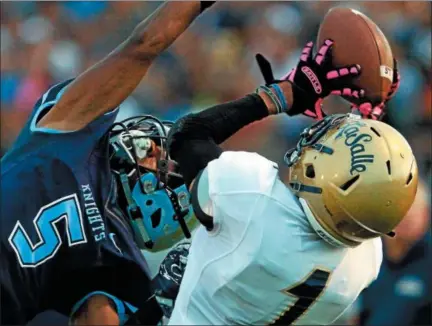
x,y
297,187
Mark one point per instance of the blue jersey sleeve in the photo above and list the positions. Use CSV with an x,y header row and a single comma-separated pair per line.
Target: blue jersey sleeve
x,y
81,142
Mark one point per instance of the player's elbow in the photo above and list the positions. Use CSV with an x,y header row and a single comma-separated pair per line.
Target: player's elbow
x,y
191,145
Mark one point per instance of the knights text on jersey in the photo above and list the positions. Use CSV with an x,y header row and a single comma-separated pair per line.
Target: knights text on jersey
x,y
61,235
262,263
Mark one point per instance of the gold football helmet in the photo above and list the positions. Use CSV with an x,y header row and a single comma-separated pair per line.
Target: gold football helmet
x,y
356,179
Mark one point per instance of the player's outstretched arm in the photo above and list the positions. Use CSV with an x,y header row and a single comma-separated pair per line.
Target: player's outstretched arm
x,y
193,140
108,83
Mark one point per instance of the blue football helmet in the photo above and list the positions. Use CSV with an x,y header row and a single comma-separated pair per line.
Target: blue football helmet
x,y
157,203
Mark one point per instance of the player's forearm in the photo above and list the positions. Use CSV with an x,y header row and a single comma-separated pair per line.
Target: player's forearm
x,y
223,120
193,141
153,35
107,84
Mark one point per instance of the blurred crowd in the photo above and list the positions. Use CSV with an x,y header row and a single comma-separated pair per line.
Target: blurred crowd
x,y
46,42
43,43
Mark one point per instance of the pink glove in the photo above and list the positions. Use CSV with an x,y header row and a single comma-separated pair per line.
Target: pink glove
x,y
314,78
366,109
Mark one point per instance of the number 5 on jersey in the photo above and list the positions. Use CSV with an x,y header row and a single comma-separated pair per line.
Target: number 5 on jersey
x,y
45,222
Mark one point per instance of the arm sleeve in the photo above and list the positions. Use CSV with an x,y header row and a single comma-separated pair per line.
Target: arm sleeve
x,y
193,140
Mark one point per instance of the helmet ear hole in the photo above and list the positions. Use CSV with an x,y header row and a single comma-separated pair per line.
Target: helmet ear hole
x,y
388,167
375,132
310,171
349,183
410,177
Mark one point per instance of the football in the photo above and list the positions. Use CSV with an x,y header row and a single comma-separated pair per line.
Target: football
x,y
358,40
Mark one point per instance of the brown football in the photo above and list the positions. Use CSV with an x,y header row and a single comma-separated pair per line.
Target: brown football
x,y
358,40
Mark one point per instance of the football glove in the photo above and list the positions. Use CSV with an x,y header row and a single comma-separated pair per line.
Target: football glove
x,y
314,79
368,111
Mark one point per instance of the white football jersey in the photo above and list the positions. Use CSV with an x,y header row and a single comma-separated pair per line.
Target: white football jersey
x,y
263,263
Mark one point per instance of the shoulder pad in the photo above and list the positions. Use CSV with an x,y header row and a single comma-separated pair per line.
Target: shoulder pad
x,y
241,172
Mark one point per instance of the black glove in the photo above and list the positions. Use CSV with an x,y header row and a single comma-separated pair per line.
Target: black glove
x,y
313,79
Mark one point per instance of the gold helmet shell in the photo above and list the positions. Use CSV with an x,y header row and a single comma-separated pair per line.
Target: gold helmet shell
x,y
356,179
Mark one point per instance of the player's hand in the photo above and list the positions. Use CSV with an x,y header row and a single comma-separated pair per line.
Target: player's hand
x,y
368,111
314,79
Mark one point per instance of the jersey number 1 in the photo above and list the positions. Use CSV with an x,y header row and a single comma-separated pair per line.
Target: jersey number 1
x,y
50,240
306,292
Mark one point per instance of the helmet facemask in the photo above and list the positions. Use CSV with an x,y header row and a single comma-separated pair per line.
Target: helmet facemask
x,y
155,201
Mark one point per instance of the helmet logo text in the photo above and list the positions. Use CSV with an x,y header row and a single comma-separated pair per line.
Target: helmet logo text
x,y
355,141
